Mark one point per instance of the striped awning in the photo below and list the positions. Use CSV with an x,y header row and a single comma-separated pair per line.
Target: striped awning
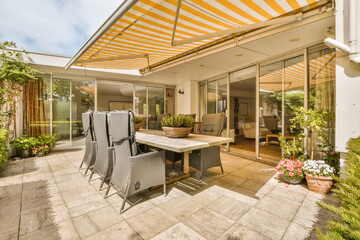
x,y
143,33
321,70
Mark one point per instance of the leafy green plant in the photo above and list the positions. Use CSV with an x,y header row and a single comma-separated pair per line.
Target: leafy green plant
x,y
24,142
14,72
348,191
293,149
47,139
177,121
331,156
138,119
40,149
3,146
310,120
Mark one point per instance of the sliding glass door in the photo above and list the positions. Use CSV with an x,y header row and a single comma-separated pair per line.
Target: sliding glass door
x,y
150,104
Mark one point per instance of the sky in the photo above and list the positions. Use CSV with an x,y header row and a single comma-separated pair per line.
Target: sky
x,y
53,26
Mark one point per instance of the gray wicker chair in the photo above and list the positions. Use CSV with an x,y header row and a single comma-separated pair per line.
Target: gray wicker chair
x,y
132,172
212,124
90,141
104,152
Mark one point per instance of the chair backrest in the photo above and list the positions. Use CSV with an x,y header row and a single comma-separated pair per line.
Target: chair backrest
x,y
102,160
87,122
212,124
122,131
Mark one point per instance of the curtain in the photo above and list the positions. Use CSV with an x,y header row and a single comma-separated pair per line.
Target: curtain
x,y
36,108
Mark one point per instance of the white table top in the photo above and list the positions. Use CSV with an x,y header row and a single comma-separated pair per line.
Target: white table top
x,y
193,141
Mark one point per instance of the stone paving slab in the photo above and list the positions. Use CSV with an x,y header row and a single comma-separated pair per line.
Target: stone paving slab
x,y
50,198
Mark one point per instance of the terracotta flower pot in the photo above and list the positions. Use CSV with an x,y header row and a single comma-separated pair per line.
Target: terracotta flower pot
x,y
319,184
138,126
173,132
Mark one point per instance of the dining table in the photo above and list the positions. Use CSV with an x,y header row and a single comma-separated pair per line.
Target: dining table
x,y
157,139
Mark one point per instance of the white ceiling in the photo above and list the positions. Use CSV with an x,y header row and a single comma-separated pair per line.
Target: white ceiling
x,y
251,52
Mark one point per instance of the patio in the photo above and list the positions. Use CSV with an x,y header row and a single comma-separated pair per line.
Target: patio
x,y
49,198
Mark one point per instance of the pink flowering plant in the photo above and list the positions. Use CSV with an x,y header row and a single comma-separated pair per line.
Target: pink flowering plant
x,y
290,168
40,149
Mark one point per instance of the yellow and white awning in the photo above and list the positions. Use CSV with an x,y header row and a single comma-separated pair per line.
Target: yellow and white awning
x,y
146,32
321,70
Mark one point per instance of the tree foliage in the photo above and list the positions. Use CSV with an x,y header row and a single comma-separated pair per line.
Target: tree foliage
x,y
14,72
348,191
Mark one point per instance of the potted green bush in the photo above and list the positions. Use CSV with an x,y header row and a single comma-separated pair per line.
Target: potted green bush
x,y
48,140
23,145
177,126
138,122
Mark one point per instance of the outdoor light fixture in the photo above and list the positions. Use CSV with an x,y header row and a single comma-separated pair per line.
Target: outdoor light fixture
x,y
181,91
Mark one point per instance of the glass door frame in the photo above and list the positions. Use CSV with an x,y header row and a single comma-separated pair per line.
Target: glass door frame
x,y
164,87
282,58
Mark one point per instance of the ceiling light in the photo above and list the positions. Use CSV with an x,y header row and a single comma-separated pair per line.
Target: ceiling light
x,y
294,39
174,73
201,65
238,55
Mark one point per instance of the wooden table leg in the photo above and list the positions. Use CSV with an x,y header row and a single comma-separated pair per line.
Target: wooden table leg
x,y
267,140
181,177
186,163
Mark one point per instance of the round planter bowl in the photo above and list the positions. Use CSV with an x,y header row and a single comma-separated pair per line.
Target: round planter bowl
x,y
319,184
176,132
138,126
292,180
24,153
40,154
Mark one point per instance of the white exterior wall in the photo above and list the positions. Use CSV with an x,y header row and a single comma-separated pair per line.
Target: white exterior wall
x,y
189,101
347,81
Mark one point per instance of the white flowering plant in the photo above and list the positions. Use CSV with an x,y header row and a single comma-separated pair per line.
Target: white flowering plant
x,y
318,168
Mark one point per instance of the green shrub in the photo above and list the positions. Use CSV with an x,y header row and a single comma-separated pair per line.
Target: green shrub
x,y
24,142
348,191
3,146
138,119
47,139
177,121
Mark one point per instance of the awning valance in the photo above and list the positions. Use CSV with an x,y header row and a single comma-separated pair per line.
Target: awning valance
x,y
142,33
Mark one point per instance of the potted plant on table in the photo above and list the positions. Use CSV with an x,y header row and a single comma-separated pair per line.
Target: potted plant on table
x,y
23,145
177,126
138,122
318,175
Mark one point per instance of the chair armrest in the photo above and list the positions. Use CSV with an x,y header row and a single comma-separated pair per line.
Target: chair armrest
x,y
148,169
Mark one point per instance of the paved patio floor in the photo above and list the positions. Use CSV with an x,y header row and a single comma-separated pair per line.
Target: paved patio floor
x,y
49,198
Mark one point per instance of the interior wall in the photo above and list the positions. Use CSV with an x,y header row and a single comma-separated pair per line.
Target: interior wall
x,y
189,101
103,101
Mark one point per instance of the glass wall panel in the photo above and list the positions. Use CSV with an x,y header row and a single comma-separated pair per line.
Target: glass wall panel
x,y
61,110
156,106
211,97
293,90
270,110
322,89
140,103
36,107
222,95
82,100
114,95
202,110
242,111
